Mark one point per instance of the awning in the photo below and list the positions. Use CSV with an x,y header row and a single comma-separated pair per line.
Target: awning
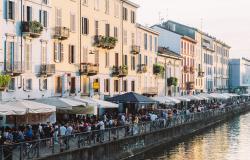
x,y
162,100
61,103
132,97
7,110
30,106
219,96
96,102
183,99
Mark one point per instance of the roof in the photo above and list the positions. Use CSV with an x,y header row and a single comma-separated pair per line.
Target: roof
x,y
131,3
131,97
166,52
148,29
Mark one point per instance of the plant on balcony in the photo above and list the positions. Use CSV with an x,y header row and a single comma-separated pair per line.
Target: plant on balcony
x,y
35,27
158,69
4,81
105,42
172,81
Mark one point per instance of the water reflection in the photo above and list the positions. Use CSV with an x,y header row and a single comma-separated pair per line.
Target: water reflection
x,y
227,141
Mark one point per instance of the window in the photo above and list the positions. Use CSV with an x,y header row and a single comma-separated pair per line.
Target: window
x,y
106,85
58,85
156,44
116,10
107,59
28,58
85,26
10,10
132,17
97,28
58,17
72,56
107,30
125,37
116,32
125,86
96,5
29,13
116,59
116,85
133,63
43,84
133,86
12,85
72,22
146,60
43,18
107,6
58,52
139,59
43,53
125,60
9,55
28,85
145,41
133,38
151,42
125,14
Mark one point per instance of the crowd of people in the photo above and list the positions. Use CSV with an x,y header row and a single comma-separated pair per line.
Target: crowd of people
x,y
90,123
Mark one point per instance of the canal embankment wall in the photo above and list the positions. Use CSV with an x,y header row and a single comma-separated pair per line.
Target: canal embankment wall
x,y
131,146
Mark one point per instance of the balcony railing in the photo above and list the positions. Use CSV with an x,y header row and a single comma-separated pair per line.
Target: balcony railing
x,y
190,85
201,73
32,29
61,33
142,68
105,42
89,69
119,71
150,91
186,69
14,69
47,69
135,49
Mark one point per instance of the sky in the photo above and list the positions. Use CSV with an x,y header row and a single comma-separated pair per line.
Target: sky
x,y
227,20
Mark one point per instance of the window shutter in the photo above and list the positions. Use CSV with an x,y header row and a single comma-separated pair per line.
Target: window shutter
x,y
13,9
62,52
40,84
74,54
40,16
70,57
55,52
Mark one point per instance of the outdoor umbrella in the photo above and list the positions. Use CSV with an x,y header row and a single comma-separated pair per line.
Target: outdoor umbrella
x,y
8,110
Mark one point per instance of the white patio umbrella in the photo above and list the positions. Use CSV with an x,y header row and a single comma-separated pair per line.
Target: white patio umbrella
x,y
162,100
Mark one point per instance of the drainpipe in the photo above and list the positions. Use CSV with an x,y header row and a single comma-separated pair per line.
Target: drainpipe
x,y
122,46
80,46
21,35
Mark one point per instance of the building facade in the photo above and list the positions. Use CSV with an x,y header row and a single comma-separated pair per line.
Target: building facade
x,y
25,42
239,75
170,84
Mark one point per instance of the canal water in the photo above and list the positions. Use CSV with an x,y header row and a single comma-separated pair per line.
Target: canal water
x,y
226,141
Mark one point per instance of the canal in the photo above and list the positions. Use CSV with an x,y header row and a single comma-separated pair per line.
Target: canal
x,y
225,141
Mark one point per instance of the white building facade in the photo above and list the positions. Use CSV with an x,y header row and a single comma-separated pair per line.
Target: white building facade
x,y
25,48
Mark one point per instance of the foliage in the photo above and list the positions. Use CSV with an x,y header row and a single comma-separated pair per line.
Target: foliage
x,y
105,42
172,81
158,69
4,81
35,27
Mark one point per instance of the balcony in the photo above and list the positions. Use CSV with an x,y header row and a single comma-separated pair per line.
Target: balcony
x,y
186,69
142,68
14,69
61,33
150,91
89,69
31,29
121,71
47,70
105,42
135,49
190,86
192,70
201,73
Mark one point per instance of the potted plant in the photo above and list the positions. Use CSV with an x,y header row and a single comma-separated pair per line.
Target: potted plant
x,y
172,81
36,27
158,69
124,69
4,82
